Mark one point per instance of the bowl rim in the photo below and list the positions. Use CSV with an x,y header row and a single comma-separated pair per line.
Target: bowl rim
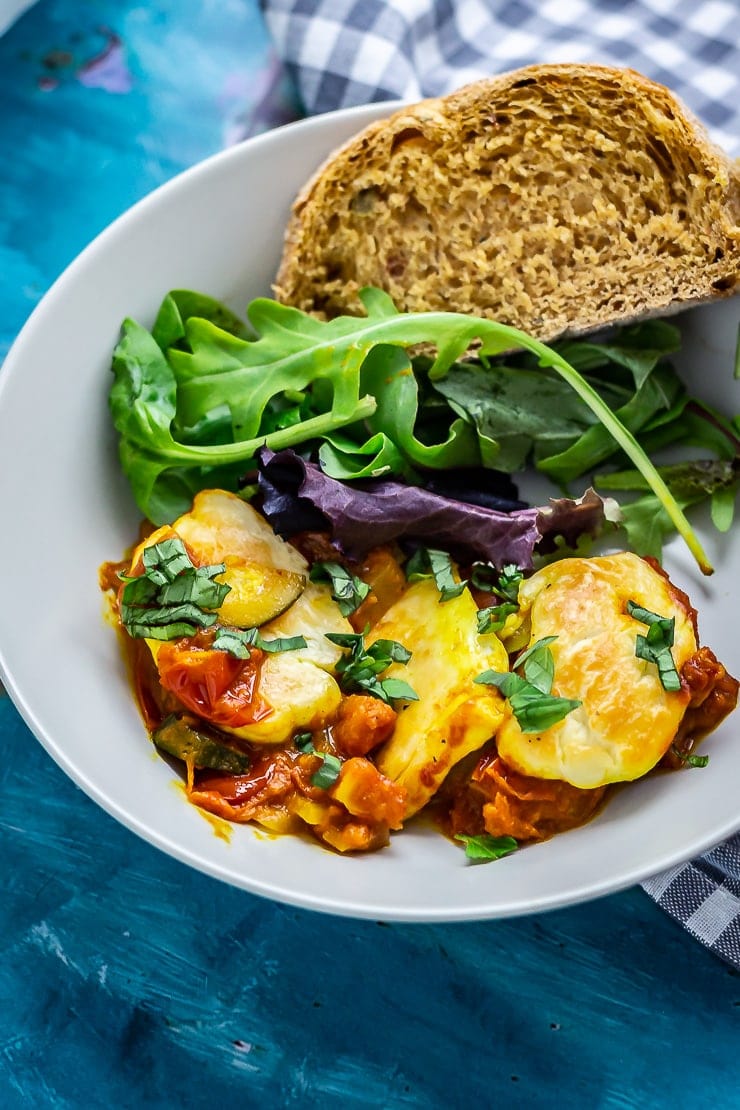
x,y
326,903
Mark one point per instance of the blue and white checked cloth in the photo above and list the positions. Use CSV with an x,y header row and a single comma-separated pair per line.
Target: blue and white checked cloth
x,y
346,52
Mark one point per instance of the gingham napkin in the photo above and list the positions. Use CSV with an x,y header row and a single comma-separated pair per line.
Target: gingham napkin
x,y
346,52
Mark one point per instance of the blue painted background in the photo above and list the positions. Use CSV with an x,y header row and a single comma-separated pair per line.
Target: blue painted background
x,y
127,980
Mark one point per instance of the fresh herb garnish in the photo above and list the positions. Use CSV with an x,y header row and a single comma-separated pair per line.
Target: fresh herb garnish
x,y
238,641
688,758
359,668
304,742
502,583
656,646
348,591
172,597
428,562
328,772
493,618
331,766
485,847
531,701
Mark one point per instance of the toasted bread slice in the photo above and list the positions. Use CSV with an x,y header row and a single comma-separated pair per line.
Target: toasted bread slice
x,y
557,198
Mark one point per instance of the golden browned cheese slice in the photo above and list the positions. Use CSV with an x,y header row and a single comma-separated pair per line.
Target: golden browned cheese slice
x,y
269,589
627,721
453,716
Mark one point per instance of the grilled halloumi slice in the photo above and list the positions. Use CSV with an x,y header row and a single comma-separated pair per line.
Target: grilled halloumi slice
x,y
453,715
626,721
268,579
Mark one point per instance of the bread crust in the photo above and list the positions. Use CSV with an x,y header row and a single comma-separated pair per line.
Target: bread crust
x,y
556,198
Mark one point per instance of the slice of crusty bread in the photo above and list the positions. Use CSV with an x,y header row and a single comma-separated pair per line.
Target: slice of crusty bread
x,y
558,198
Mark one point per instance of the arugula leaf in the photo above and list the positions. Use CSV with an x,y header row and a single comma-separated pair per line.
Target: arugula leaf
x,y
177,308
360,667
645,520
158,403
348,591
428,562
485,847
656,646
387,374
237,641
172,597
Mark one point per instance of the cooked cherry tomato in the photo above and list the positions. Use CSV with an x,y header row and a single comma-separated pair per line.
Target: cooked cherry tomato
x,y
213,684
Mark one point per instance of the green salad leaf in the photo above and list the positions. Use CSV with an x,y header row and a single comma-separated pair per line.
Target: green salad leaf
x,y
195,400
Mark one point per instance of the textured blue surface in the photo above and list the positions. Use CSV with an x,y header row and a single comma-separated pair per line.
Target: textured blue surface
x,y
128,980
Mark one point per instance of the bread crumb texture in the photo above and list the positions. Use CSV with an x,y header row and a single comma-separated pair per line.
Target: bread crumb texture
x,y
556,199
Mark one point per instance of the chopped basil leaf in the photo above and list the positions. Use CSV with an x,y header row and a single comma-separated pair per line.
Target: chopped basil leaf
x,y
537,712
427,562
688,759
538,664
494,617
486,847
656,646
396,689
506,681
237,641
172,597
360,667
390,649
503,583
534,707
348,591
165,560
328,772
509,581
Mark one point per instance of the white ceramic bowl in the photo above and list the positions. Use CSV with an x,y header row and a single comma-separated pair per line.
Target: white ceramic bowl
x,y
66,509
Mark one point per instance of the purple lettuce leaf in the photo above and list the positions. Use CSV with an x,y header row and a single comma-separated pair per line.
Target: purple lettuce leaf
x,y
298,496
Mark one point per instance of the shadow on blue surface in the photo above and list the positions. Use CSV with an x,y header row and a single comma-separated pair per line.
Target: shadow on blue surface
x,y
129,979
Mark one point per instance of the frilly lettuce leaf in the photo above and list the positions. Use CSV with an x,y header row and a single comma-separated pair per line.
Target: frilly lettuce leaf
x,y
297,495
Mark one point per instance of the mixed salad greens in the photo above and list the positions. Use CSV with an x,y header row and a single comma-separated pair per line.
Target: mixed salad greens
x,y
197,399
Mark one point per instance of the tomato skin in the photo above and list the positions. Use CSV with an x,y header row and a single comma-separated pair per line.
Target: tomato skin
x,y
213,684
